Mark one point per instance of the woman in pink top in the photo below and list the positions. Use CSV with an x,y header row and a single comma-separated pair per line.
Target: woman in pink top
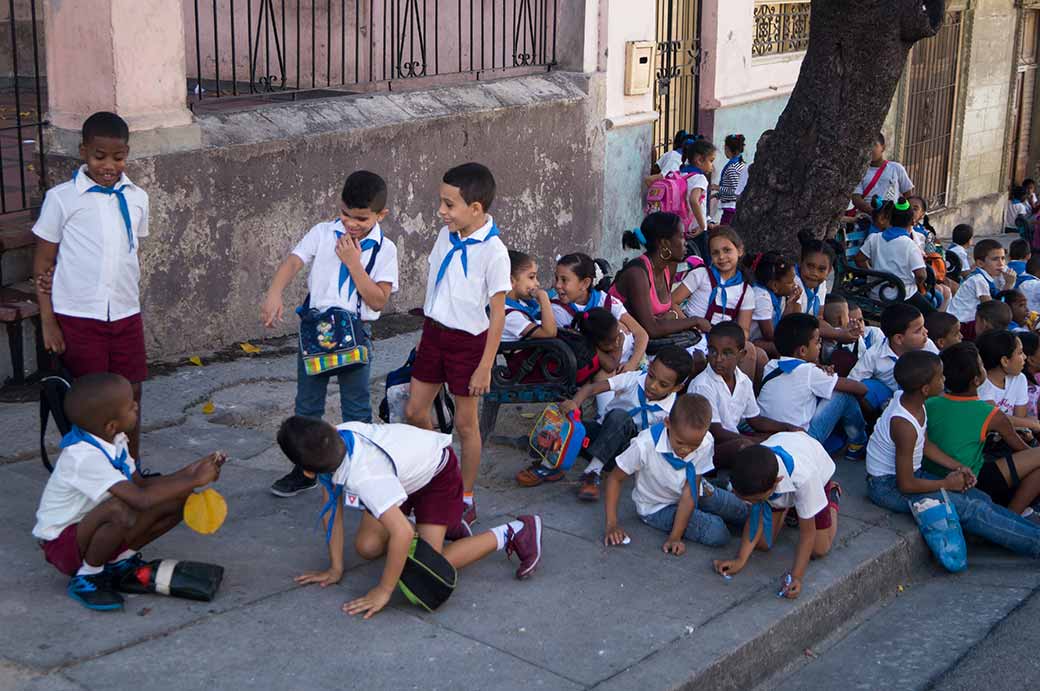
x,y
645,285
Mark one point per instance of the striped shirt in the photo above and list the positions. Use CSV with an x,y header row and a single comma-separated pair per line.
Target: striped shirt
x,y
732,182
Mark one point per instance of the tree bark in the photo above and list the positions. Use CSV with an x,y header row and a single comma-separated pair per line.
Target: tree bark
x,y
805,170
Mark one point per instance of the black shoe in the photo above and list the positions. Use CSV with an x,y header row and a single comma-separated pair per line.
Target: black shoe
x,y
293,483
119,570
95,592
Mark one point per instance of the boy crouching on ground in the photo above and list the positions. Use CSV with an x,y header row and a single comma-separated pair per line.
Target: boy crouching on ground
x,y
390,472
97,510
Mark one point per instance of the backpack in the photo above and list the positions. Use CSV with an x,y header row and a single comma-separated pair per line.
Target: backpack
x,y
669,194
428,578
53,389
557,438
392,407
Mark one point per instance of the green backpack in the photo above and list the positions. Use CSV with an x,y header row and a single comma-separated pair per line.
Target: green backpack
x,y
428,579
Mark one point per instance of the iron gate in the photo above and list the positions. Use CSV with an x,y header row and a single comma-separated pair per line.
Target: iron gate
x,y
678,70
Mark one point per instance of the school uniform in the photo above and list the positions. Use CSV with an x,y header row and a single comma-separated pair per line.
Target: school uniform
x,y
802,394
768,307
95,291
1015,393
1012,212
625,414
670,162
400,465
966,300
86,470
522,317
728,408
568,313
890,185
464,274
803,474
1029,285
330,285
876,369
966,262
659,486
811,301
715,299
894,251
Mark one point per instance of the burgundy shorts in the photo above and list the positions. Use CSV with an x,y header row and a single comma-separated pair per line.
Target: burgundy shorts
x,y
823,519
440,501
92,345
63,551
448,356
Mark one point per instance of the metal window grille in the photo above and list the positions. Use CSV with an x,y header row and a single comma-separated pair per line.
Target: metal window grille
x,y
780,27
283,48
677,69
932,75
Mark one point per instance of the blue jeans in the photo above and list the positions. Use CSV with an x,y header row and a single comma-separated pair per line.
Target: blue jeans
x,y
708,523
843,409
354,400
977,512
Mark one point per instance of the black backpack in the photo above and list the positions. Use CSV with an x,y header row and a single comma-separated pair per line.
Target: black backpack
x,y
391,408
53,388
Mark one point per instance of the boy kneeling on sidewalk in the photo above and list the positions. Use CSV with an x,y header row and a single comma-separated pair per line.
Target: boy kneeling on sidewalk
x,y
97,510
390,472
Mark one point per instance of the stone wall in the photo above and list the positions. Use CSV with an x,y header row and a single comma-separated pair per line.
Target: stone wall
x,y
224,215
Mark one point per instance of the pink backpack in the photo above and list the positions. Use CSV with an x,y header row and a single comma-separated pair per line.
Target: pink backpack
x,y
669,194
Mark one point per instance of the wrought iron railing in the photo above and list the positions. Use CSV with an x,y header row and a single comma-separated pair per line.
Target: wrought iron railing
x,y
263,48
780,27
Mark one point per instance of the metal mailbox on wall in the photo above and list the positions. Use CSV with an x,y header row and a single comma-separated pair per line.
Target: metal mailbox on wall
x,y
639,67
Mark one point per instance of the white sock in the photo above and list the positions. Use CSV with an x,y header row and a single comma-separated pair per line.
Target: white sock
x,y
1028,512
87,570
595,466
125,554
467,498
500,532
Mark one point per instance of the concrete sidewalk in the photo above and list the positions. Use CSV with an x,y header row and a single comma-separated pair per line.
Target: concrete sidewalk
x,y
615,618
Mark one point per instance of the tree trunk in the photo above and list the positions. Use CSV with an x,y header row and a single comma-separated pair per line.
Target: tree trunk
x,y
805,170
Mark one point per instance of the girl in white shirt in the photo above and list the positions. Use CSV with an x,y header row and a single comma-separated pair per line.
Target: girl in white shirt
x,y
529,313
698,160
777,293
811,278
1006,386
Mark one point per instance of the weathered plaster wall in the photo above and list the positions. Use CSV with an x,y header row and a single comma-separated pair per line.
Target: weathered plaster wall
x,y
224,216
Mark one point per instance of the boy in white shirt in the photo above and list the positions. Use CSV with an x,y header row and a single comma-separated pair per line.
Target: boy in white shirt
x,y
641,399
886,179
353,268
904,330
788,470
390,472
894,251
961,242
986,280
1028,283
669,460
465,312
731,395
86,265
97,510
797,391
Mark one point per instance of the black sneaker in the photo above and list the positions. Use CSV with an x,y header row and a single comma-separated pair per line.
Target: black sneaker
x,y
293,483
119,570
95,592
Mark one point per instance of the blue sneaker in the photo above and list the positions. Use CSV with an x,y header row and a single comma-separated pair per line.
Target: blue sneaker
x,y
119,571
856,453
95,592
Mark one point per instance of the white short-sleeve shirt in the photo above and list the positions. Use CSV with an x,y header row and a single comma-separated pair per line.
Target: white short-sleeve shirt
x,y
81,479
698,283
728,408
626,387
813,468
698,181
461,299
658,484
97,274
962,254
517,324
670,162
966,300
892,183
1014,393
881,449
793,397
371,481
318,249
764,310
597,298
803,299
900,256
1031,289
879,362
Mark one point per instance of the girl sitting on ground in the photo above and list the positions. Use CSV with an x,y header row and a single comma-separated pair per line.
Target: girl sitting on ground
x,y
776,295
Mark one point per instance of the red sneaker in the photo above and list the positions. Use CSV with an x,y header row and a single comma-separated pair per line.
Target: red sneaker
x,y
527,544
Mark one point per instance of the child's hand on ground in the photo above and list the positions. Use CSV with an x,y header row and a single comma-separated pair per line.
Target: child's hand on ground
x,y
271,309
323,578
728,567
614,536
53,339
676,547
794,589
480,382
569,406
373,601
349,251
45,281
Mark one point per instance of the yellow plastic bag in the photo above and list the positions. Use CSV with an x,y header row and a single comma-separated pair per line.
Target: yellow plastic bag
x,y
205,511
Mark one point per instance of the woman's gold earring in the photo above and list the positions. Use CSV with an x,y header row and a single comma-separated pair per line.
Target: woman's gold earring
x,y
663,257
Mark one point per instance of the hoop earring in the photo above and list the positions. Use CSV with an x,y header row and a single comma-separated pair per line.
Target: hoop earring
x,y
663,250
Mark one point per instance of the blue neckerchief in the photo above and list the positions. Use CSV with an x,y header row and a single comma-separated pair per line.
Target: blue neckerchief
x,y
77,435
531,309
335,490
762,510
124,208
692,169
790,365
459,245
890,234
735,280
1024,278
812,297
868,338
993,292
778,308
344,274
1013,326
679,464
1018,266
644,409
